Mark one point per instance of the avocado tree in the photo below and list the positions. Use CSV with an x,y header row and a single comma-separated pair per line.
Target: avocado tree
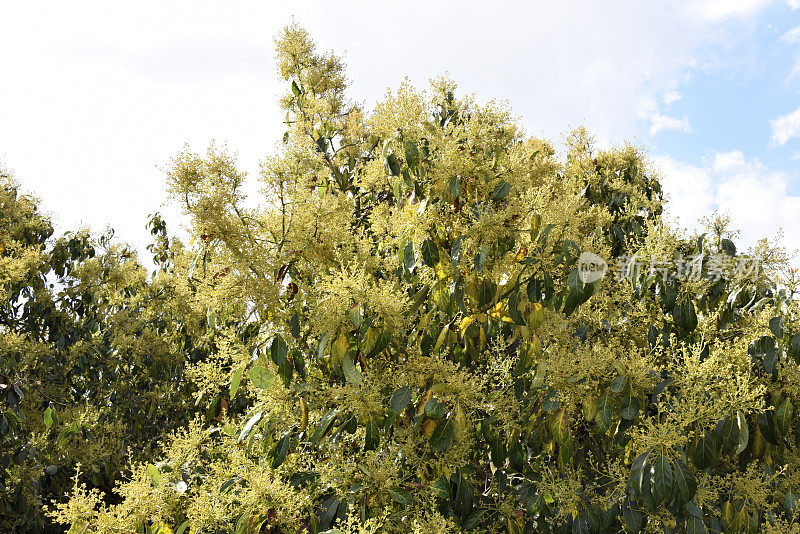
x,y
429,353
96,356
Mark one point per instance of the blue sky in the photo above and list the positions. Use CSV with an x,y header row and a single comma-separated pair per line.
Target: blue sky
x,y
730,108
97,96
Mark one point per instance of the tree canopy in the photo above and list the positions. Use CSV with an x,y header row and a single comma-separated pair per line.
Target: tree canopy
x,y
402,337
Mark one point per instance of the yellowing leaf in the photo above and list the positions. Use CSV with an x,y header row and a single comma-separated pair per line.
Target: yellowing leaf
x,y
303,414
428,426
339,348
537,316
442,270
465,324
370,337
443,335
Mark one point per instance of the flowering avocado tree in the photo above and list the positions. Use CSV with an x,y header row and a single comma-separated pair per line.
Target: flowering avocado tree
x,y
428,352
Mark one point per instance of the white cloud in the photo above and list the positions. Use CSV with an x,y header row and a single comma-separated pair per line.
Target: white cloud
x,y
650,111
660,123
716,10
670,97
688,188
94,96
785,127
756,197
793,35
794,4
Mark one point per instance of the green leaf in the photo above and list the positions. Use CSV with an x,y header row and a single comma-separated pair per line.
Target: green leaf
x,y
663,479
248,428
692,508
412,154
501,190
629,408
392,166
640,468
545,233
579,526
324,425
455,186
181,529
430,253
455,252
574,282
619,383
784,415
480,258
776,326
281,450
442,435
685,316
63,436
48,417
409,258
295,88
513,309
323,343
695,525
381,343
486,292
685,482
744,433
285,371
373,435
235,381
278,350
351,373
790,502
534,290
728,247
727,433
766,423
400,399
401,496
770,359
605,412
796,347
299,363
706,450
633,518
434,409
473,519
261,377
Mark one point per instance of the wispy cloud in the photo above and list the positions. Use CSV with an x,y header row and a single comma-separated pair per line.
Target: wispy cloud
x,y
785,127
671,97
792,37
650,111
661,123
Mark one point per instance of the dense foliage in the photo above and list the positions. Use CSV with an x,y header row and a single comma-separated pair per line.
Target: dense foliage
x,y
400,339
